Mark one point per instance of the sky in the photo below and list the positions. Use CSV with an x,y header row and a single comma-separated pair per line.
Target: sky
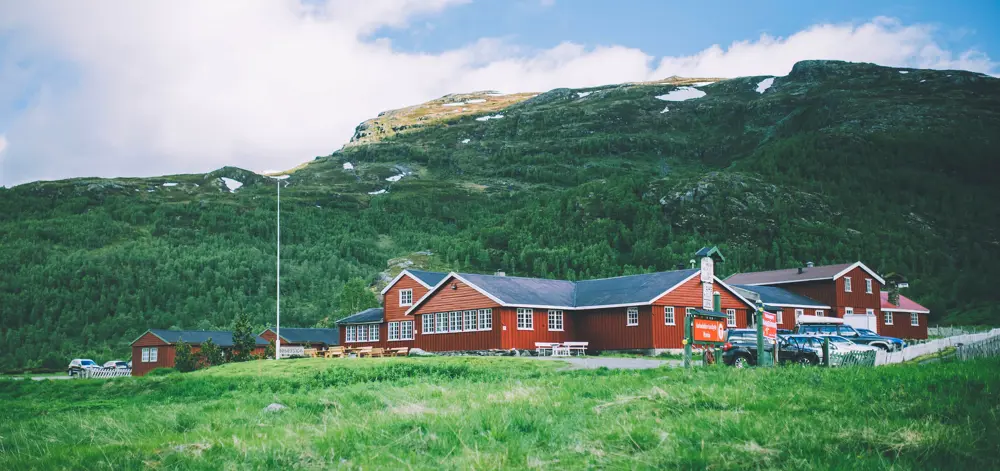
x,y
123,88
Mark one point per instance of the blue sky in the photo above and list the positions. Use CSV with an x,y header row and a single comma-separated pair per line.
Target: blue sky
x,y
124,88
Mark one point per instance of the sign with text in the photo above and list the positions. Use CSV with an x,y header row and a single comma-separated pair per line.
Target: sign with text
x,y
770,325
292,351
709,330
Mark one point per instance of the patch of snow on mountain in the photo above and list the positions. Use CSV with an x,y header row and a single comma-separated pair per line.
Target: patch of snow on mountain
x,y
682,94
701,84
665,109
231,184
765,84
395,178
487,118
477,100
466,141
376,192
348,166
923,80
583,94
457,103
904,71
169,184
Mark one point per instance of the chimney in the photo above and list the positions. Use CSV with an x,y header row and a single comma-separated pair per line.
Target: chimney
x,y
680,266
708,256
809,264
500,273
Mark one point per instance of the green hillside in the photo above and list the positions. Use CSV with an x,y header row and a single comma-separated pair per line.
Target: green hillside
x,y
834,162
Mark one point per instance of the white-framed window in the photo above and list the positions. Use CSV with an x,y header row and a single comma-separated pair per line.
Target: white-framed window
x,y
485,319
428,324
847,284
350,335
373,333
361,333
914,319
777,316
393,330
406,297
689,311
668,316
525,319
406,330
731,317
555,320
887,317
799,312
455,321
469,323
150,355
868,285
441,322
819,313
848,311
632,316
870,311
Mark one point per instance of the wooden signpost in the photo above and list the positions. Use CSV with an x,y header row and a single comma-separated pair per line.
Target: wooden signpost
x,y
705,328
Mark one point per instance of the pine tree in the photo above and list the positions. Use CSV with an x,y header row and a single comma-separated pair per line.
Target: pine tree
x,y
211,354
243,337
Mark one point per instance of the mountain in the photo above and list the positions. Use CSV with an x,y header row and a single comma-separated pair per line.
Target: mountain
x,y
834,162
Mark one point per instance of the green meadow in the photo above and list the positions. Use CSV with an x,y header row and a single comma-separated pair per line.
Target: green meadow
x,y
492,413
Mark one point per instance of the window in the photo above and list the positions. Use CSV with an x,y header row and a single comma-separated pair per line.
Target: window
x,y
914,319
470,321
441,322
455,321
731,317
777,317
428,323
689,311
485,319
149,355
870,311
362,333
820,313
349,337
668,316
555,320
799,312
373,333
868,285
406,297
847,284
632,316
393,331
888,317
848,311
525,319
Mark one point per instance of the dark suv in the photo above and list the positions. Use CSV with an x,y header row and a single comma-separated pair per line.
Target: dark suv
x,y
741,350
889,344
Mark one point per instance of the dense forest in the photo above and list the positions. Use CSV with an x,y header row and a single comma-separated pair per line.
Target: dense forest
x,y
833,163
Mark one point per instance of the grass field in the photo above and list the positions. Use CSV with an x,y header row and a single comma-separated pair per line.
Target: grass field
x,y
489,413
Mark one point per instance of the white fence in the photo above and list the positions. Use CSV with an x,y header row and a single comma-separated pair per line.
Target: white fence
x,y
933,346
105,373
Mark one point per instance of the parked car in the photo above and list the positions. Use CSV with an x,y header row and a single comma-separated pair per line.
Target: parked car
x,y
79,364
889,344
740,350
838,344
116,364
900,343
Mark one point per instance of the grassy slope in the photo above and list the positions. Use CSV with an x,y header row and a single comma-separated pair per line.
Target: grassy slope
x,y
473,413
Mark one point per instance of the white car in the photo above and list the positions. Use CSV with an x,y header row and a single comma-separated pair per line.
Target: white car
x,y
79,364
115,365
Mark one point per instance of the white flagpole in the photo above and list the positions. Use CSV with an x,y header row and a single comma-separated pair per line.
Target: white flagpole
x,y
277,340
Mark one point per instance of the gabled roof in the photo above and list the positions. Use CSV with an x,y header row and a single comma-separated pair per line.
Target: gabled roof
x,y
792,275
710,252
368,316
222,338
426,278
905,304
780,297
308,335
632,290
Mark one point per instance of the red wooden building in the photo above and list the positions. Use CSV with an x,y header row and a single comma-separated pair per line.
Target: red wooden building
x,y
304,337
786,305
907,320
464,311
157,347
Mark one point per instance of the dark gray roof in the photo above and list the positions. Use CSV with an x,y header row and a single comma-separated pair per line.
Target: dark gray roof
x,y
528,291
789,275
773,295
707,313
304,335
222,338
432,278
367,316
630,289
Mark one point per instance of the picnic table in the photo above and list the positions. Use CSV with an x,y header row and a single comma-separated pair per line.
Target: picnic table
x,y
563,349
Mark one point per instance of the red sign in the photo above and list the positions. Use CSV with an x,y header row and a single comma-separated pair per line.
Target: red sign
x,y
709,330
770,325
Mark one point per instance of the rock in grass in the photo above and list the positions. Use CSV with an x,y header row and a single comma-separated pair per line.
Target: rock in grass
x,y
274,407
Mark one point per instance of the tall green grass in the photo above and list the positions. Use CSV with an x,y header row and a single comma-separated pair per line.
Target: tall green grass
x,y
460,413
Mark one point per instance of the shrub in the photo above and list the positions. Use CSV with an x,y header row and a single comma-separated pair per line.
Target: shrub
x,y
185,360
162,372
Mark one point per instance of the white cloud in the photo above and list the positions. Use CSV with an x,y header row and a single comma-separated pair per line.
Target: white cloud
x,y
175,86
3,142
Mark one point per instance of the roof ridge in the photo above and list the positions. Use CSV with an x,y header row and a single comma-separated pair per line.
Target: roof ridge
x,y
639,274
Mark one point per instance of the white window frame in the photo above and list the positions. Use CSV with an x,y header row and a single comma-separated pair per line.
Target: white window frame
x,y
730,317
145,355
440,322
632,317
870,312
393,331
778,316
689,311
455,321
406,297
887,317
362,333
914,319
848,311
154,354
555,320
427,324
847,284
525,318
406,330
868,285
800,312
486,319
470,321
819,313
373,333
669,316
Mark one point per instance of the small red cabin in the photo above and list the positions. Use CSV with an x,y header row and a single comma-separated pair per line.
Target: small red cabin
x,y
157,347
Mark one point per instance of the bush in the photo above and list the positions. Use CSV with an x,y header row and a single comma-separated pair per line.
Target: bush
x,y
162,372
185,361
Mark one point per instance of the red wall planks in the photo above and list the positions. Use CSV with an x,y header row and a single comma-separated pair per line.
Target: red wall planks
x,y
688,295
393,310
607,329
525,339
901,327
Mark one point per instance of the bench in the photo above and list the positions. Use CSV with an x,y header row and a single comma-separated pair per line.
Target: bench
x,y
579,347
542,347
399,351
373,352
362,351
309,352
335,352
